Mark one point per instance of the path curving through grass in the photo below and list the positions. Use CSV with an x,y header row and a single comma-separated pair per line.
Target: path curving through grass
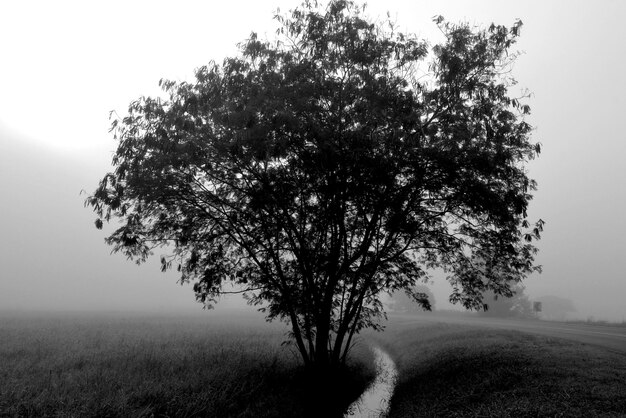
x,y
374,402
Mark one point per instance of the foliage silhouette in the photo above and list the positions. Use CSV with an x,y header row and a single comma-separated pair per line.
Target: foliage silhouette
x,y
339,161
416,299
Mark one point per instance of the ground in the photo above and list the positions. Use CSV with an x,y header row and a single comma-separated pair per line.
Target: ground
x,y
236,366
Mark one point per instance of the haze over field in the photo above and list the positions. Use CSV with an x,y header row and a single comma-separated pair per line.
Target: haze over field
x,y
67,64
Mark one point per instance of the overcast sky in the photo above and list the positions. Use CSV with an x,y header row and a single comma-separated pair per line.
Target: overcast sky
x,y
65,65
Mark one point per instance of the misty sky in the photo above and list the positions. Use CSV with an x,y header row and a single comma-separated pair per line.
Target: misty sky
x,y
65,65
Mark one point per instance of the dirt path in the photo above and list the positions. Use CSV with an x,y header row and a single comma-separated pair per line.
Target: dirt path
x,y
374,402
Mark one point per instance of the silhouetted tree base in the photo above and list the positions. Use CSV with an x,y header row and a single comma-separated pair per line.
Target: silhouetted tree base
x,y
263,392
329,391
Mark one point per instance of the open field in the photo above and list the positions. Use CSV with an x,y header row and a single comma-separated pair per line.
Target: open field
x,y
599,322
611,337
147,365
448,369
232,365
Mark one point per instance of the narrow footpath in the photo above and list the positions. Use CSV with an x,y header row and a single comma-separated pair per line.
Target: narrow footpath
x,y
374,402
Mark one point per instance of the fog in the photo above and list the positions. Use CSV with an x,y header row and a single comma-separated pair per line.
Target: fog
x,y
68,64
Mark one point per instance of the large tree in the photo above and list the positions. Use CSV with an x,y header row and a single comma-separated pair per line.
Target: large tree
x,y
340,160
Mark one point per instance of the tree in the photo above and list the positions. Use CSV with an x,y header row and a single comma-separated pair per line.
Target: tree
x,y
517,304
412,299
315,171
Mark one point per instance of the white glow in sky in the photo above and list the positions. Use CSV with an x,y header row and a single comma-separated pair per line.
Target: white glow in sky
x,y
71,62
65,64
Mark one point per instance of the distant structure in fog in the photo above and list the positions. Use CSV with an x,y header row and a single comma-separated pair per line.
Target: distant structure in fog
x,y
555,308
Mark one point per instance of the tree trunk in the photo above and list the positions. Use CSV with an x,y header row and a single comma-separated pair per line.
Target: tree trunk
x,y
322,358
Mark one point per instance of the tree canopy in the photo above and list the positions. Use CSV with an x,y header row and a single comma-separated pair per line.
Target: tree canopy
x,y
340,160
418,298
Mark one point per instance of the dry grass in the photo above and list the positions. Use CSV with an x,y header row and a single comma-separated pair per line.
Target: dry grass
x,y
118,365
454,371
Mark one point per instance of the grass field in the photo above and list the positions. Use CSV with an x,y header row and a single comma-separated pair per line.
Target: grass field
x,y
120,365
218,365
453,371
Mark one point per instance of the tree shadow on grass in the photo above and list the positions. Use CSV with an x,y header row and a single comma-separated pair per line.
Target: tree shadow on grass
x,y
275,392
